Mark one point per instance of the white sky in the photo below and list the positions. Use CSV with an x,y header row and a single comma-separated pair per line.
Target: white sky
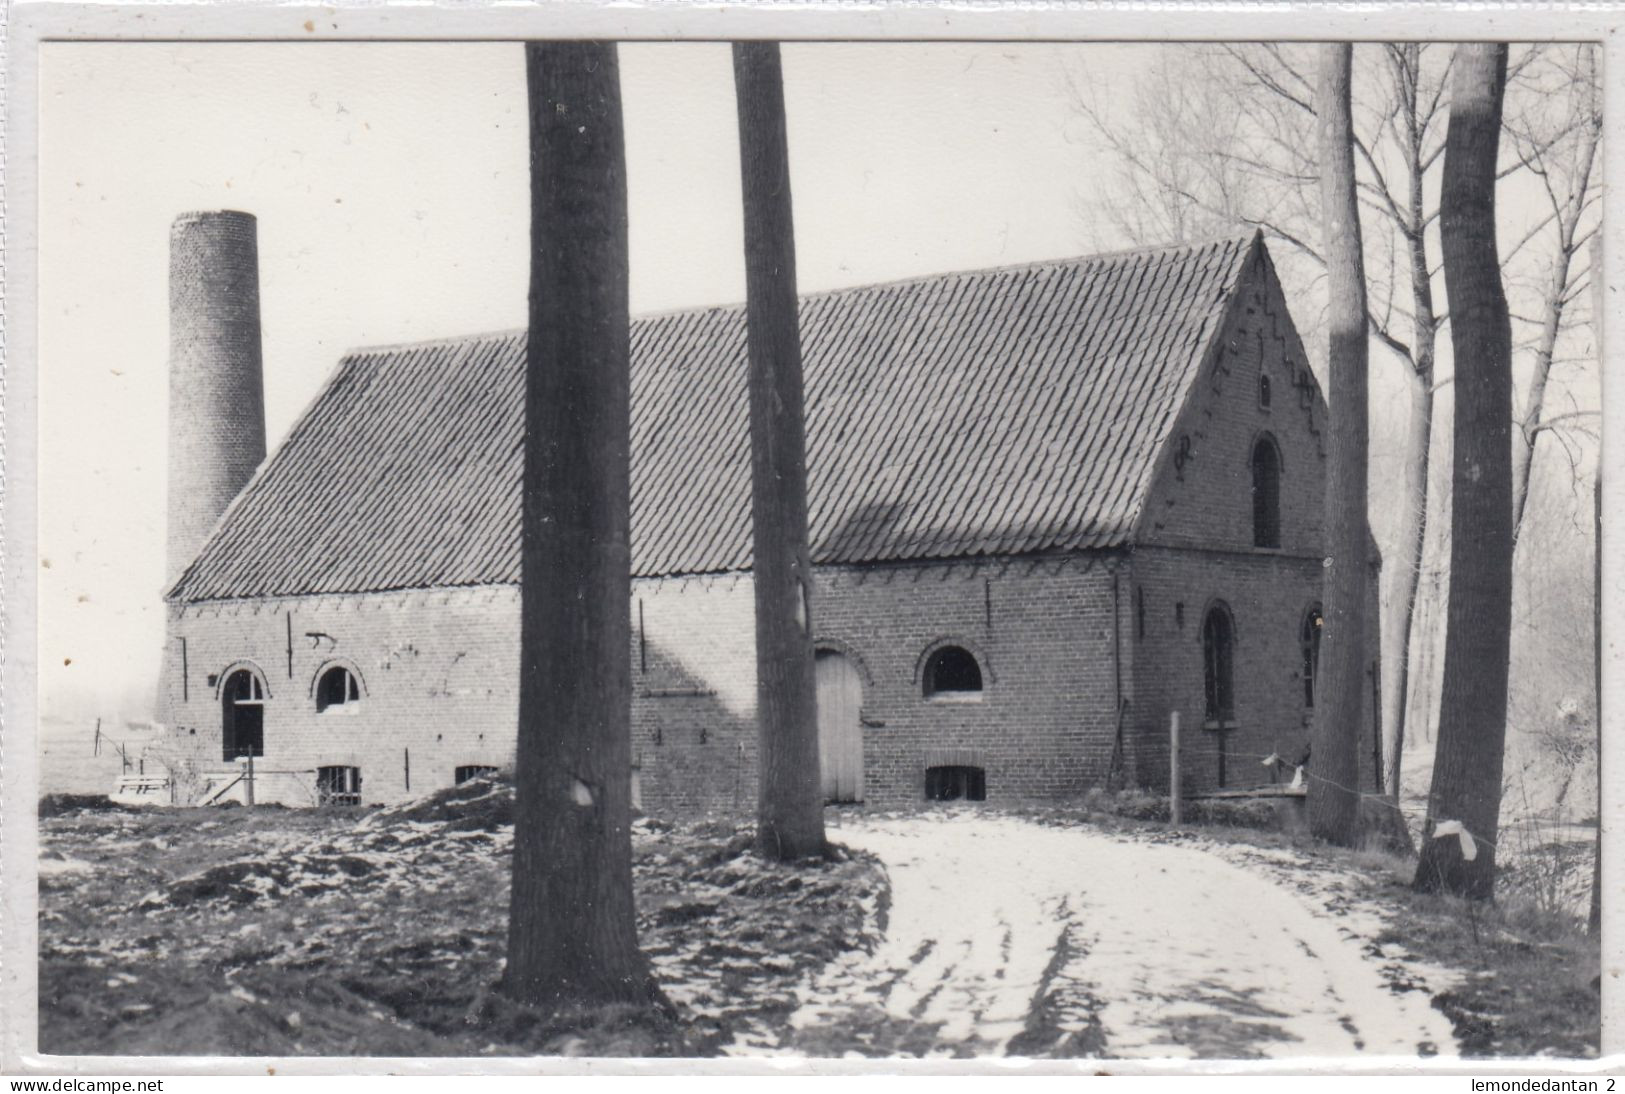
x,y
390,183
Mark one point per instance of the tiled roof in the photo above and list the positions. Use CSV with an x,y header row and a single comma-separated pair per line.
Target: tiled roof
x,y
995,412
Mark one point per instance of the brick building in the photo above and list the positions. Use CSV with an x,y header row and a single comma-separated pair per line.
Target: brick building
x,y
1050,505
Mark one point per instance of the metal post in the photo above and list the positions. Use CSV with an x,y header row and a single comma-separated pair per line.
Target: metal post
x,y
248,780
1173,768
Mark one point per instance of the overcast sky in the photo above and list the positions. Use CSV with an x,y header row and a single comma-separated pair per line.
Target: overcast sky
x,y
391,190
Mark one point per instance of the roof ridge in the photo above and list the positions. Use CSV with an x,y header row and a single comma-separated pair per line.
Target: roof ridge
x,y
822,294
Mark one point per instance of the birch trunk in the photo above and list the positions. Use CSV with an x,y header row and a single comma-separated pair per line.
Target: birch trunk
x,y
1399,633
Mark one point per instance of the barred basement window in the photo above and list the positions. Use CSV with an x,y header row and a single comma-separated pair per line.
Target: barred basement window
x,y
337,691
473,771
952,670
338,785
955,783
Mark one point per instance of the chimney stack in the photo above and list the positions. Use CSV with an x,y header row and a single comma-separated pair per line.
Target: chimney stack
x,y
216,383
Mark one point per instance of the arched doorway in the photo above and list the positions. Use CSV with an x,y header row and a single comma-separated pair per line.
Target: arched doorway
x,y
242,716
840,733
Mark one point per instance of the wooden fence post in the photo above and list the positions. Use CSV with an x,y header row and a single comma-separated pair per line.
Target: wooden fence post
x,y
1173,768
248,781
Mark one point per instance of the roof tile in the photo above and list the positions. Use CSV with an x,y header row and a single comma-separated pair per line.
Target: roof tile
x,y
1001,411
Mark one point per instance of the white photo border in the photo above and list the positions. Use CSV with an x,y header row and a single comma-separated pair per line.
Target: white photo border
x,y
30,25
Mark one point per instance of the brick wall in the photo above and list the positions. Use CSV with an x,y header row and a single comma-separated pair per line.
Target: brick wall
x,y
1207,502
1197,547
437,670
694,693
1042,632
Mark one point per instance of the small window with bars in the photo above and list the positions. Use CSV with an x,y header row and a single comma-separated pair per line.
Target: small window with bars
x,y
338,785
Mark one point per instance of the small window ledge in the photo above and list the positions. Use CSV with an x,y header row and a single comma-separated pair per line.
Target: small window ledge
x,y
1225,725
954,697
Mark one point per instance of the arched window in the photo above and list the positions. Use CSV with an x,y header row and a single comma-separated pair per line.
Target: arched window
x,y
1309,640
1218,660
242,715
337,691
1266,493
952,671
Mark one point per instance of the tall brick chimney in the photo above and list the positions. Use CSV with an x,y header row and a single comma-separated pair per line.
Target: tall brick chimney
x,y
216,382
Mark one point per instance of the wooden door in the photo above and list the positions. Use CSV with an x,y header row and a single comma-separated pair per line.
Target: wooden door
x,y
840,733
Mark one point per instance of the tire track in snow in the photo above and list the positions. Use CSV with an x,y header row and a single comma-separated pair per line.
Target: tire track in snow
x,y
1007,936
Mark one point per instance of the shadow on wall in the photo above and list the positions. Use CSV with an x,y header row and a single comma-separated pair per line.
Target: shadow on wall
x,y
690,753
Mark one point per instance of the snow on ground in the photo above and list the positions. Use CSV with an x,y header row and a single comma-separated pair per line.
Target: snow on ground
x,y
1008,937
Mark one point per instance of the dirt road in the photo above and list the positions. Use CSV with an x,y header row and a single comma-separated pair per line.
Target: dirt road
x,y
1005,937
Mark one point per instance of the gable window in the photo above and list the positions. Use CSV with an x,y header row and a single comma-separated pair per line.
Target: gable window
x,y
1263,391
1309,639
952,672
1266,493
338,785
1218,661
337,692
242,715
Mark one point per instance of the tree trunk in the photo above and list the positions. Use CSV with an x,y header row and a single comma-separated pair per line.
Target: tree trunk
x,y
1334,799
1598,303
1413,539
1413,531
1472,719
572,937
790,807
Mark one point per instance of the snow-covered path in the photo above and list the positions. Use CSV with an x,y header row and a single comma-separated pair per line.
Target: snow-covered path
x,y
1006,937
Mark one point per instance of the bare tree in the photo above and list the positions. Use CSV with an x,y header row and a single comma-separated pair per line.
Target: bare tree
x,y
572,934
1220,142
1472,723
1334,799
1556,136
790,808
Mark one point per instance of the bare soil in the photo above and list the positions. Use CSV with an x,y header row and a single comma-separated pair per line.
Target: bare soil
x,y
381,933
